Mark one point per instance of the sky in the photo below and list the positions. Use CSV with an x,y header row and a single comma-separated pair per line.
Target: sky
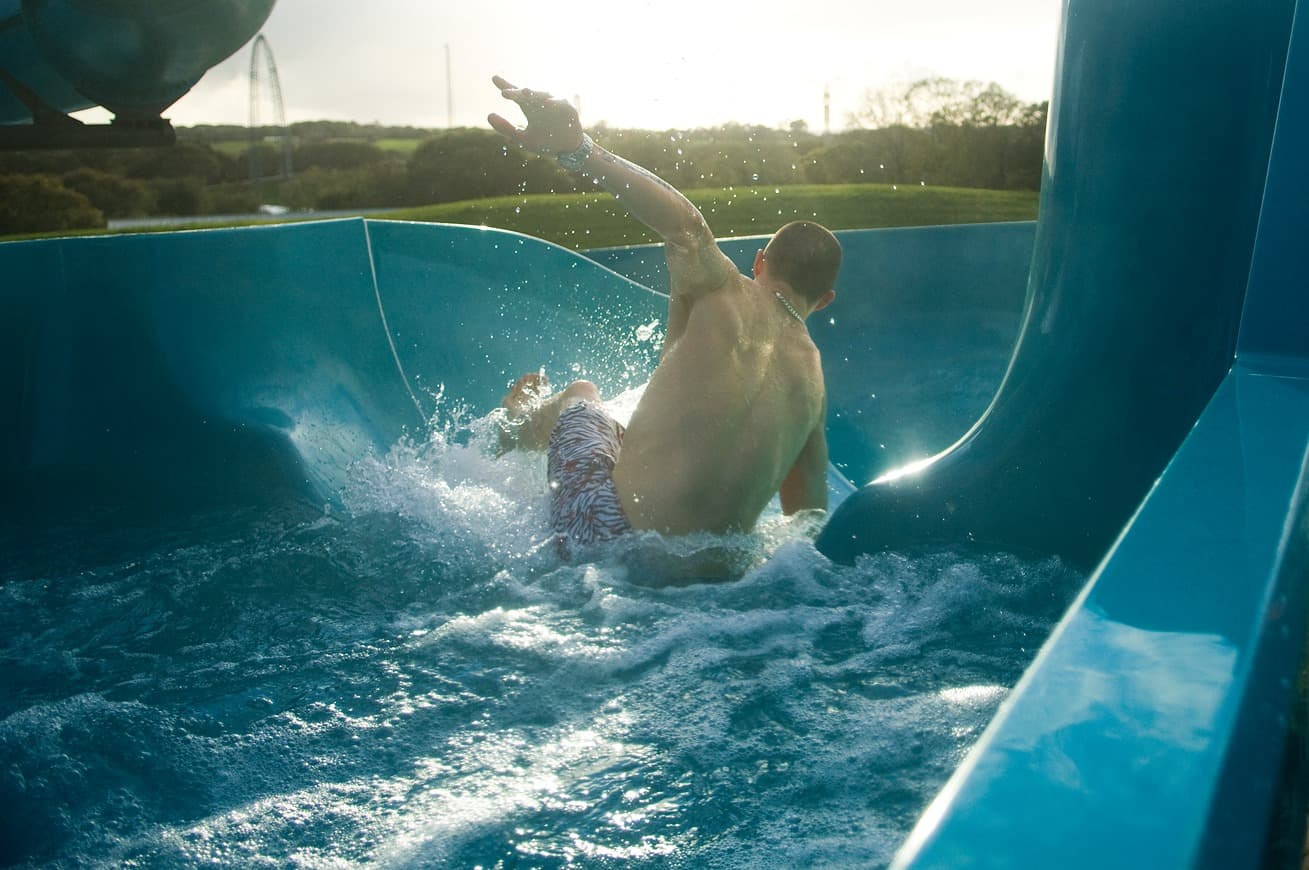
x,y
656,65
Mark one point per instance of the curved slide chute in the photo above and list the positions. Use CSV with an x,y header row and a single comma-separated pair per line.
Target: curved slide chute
x,y
1161,124
179,370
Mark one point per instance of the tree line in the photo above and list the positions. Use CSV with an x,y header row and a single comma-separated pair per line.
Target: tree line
x,y
933,132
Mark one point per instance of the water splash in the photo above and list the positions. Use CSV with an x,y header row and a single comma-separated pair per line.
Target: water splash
x,y
422,682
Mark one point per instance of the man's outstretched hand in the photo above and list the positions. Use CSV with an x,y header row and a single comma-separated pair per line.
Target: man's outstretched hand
x,y
552,124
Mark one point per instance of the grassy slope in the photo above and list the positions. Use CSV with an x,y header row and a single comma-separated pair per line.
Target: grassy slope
x,y
595,220
592,220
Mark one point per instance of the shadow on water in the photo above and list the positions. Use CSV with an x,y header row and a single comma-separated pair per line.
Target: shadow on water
x,y
420,681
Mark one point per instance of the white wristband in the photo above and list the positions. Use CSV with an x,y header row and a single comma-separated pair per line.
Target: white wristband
x,y
573,161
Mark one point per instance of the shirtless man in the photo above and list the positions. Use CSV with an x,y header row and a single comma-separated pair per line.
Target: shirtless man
x,y
736,408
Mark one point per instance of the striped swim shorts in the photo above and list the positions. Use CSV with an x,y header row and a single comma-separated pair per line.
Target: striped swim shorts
x,y
584,505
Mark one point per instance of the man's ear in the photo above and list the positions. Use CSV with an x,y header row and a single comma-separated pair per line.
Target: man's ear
x,y
825,300
758,261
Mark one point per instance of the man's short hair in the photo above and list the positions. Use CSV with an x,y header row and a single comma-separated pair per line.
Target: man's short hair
x,y
806,256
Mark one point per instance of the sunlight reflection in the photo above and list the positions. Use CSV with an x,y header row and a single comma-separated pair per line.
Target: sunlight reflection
x,y
905,470
972,694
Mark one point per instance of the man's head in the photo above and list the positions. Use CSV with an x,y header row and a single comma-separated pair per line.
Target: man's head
x,y
807,257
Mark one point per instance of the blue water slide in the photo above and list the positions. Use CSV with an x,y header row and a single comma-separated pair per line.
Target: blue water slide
x,y
1163,724
134,57
1154,413
1160,128
179,371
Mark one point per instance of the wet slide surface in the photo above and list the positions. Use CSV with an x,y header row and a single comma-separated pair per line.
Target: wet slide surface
x,y
258,364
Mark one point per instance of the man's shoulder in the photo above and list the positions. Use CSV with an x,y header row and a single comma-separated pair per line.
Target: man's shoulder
x,y
699,268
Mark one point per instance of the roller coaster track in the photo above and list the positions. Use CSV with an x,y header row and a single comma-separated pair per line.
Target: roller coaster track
x,y
262,51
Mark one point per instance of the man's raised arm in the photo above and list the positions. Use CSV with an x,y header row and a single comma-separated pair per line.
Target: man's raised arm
x,y
695,261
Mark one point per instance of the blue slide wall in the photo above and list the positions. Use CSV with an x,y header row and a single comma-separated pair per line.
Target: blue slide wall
x,y
166,372
1163,724
1160,128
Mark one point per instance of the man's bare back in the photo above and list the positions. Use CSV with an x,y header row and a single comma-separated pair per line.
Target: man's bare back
x,y
726,413
735,411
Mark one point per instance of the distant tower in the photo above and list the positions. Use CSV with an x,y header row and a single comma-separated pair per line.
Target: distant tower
x,y
262,51
449,90
827,108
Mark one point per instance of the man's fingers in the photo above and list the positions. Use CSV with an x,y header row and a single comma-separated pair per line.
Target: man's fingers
x,y
510,91
522,96
505,127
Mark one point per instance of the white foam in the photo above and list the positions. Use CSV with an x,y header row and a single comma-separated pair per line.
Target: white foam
x,y
341,711
477,504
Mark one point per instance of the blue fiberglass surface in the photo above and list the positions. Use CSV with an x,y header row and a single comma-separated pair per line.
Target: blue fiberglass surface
x,y
145,346
1148,214
171,352
471,309
1156,726
1112,747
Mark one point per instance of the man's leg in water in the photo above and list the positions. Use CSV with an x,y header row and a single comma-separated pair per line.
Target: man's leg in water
x,y
534,418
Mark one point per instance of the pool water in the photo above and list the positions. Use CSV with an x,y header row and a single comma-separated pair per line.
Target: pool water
x,y
415,679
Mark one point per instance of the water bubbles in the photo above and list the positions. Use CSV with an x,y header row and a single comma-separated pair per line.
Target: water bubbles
x,y
646,331
754,176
